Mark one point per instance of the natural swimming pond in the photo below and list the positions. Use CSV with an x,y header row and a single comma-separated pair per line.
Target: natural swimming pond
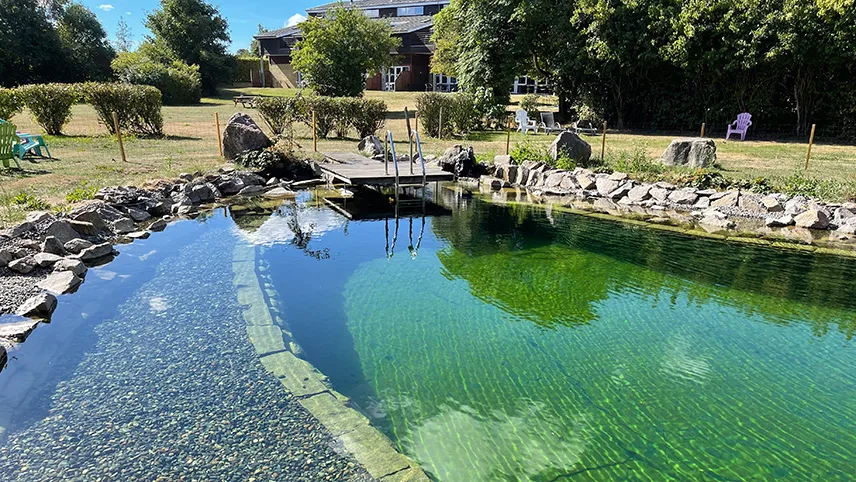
x,y
496,343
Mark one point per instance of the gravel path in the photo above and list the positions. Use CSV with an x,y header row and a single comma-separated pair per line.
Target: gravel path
x,y
174,391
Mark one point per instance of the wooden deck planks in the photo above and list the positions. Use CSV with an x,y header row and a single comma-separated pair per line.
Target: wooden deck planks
x,y
357,170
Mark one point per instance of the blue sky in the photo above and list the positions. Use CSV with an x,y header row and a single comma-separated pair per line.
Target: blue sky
x,y
243,15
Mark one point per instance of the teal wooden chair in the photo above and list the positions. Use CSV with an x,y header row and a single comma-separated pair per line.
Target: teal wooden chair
x,y
29,143
8,144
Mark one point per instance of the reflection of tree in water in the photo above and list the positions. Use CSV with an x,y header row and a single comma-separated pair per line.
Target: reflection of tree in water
x,y
272,222
291,211
555,274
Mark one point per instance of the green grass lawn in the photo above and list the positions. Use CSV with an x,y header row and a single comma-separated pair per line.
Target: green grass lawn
x,y
87,158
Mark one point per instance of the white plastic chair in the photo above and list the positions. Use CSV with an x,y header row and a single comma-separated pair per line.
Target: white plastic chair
x,y
524,123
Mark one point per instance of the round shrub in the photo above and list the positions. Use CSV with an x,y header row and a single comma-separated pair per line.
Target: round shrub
x,y
280,113
137,107
430,106
50,104
369,116
10,104
179,83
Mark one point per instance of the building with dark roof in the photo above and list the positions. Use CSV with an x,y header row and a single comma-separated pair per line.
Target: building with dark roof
x,y
410,20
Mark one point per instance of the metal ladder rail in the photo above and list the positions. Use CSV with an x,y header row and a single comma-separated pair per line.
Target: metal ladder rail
x,y
415,137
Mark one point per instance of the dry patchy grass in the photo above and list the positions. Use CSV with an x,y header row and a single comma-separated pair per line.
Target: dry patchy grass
x,y
87,157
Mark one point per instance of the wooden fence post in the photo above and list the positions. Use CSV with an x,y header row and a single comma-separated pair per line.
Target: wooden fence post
x,y
810,143
440,129
702,129
314,133
409,137
219,135
416,121
603,146
119,136
508,135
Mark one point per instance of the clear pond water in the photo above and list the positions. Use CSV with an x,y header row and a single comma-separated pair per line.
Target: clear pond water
x,y
497,343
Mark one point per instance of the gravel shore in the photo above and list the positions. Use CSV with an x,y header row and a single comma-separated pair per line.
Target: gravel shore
x,y
173,390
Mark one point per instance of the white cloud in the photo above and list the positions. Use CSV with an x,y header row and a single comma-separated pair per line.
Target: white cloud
x,y
106,7
294,20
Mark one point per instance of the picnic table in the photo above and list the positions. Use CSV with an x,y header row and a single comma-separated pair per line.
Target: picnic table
x,y
246,100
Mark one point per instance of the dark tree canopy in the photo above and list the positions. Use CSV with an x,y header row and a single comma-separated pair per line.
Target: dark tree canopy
x,y
337,50
85,44
663,63
29,44
198,35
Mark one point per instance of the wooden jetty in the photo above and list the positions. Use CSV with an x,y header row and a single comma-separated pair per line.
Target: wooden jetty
x,y
358,170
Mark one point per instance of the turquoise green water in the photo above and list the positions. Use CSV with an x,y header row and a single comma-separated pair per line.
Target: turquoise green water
x,y
496,344
518,346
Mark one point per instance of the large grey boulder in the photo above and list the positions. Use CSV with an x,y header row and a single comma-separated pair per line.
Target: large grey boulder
x,y
6,257
95,252
46,260
812,219
74,265
62,231
40,306
243,134
693,152
60,282
77,245
370,146
17,330
571,145
23,265
460,161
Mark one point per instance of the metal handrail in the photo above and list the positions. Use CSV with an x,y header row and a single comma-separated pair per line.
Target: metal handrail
x,y
394,157
421,158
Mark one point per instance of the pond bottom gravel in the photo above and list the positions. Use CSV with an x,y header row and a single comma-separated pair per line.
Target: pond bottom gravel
x,y
173,390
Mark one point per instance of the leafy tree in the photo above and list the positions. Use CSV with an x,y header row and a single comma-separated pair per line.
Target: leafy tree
x,y
198,34
337,50
85,44
28,44
124,36
477,42
254,45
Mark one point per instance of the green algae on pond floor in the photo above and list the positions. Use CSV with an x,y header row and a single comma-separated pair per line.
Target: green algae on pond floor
x,y
521,347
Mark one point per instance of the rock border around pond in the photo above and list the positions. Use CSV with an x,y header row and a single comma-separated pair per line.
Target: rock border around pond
x,y
280,355
714,211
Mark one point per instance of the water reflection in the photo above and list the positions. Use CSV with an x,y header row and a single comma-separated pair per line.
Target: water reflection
x,y
555,271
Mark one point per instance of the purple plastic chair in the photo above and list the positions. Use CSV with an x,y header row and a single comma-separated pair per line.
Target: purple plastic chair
x,y
740,126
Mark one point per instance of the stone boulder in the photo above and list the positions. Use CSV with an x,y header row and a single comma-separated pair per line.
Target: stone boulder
x,y
40,306
243,134
23,265
812,219
62,231
571,145
460,161
371,146
53,246
74,265
692,152
60,282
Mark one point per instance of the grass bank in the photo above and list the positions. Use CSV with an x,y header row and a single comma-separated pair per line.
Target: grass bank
x,y
86,158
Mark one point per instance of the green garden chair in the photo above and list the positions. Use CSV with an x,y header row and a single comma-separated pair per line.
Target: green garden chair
x,y
27,143
8,144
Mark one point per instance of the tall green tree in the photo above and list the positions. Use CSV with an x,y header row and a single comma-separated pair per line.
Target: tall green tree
x,y
254,44
29,44
124,41
477,42
85,45
337,50
198,34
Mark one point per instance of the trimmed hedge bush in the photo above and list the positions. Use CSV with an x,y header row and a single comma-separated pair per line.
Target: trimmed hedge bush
x,y
138,107
50,104
430,106
463,112
337,115
370,117
180,83
10,104
280,113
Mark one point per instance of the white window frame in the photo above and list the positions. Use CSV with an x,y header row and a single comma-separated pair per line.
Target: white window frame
x,y
372,13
